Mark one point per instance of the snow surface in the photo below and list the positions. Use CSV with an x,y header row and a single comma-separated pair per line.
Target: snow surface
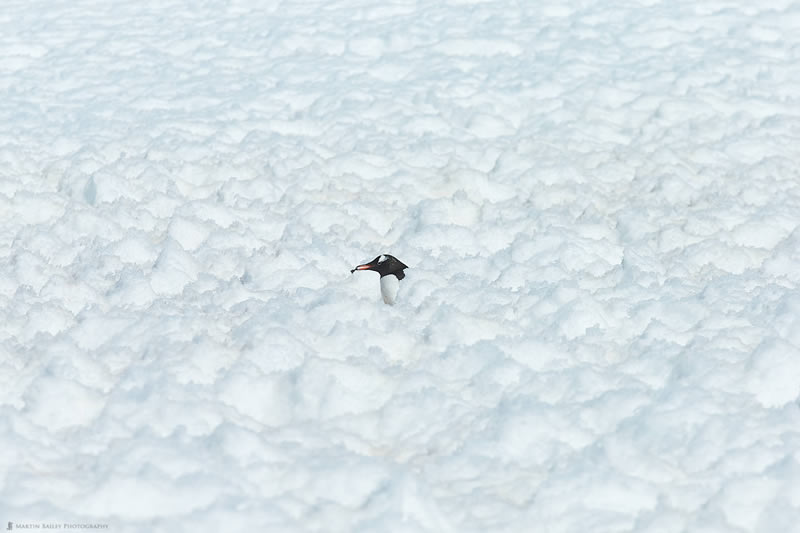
x,y
599,202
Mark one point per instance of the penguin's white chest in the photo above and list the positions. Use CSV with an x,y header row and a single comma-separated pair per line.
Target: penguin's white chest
x,y
389,286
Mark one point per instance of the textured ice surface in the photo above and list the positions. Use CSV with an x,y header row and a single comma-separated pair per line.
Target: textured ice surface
x,y
599,201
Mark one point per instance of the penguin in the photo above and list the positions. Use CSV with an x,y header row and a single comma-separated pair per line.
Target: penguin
x,y
391,270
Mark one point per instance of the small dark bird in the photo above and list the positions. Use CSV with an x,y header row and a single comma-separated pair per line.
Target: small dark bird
x,y
391,270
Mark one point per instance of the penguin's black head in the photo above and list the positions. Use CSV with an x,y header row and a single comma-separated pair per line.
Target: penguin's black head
x,y
384,265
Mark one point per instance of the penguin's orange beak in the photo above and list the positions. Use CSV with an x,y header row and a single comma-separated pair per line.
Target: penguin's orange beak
x,y
361,267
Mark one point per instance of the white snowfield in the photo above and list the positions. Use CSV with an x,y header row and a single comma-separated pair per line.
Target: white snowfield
x,y
599,201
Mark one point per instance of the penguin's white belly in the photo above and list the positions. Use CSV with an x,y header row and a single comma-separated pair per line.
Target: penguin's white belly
x,y
389,286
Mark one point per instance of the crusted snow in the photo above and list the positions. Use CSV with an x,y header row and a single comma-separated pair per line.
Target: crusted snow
x,y
600,201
